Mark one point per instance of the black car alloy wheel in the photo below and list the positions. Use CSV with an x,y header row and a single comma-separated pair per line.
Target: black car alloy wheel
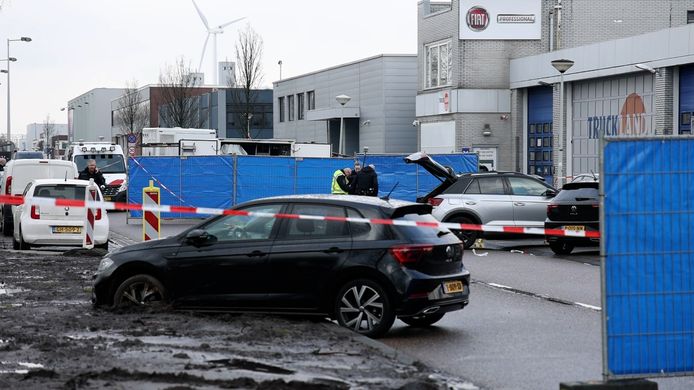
x,y
140,290
364,307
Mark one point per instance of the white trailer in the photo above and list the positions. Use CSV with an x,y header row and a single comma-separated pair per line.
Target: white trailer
x,y
177,141
172,135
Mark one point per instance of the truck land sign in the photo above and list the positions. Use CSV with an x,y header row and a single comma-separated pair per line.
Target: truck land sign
x,y
631,121
501,20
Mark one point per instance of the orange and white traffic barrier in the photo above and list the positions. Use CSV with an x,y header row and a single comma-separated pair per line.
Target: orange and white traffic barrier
x,y
151,219
90,198
16,200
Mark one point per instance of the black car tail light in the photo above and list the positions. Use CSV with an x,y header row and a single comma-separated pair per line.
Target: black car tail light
x,y
551,208
435,201
410,254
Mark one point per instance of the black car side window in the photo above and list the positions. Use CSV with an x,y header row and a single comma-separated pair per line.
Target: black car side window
x,y
240,227
360,231
316,228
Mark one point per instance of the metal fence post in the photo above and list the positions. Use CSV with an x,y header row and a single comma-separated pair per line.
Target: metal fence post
x,y
233,199
603,257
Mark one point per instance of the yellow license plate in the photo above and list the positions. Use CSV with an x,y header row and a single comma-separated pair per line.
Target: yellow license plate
x,y
575,228
67,229
107,198
453,287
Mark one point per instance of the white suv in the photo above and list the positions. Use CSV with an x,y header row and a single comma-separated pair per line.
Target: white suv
x,y
488,198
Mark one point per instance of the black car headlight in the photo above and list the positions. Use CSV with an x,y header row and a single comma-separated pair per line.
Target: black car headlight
x,y
105,264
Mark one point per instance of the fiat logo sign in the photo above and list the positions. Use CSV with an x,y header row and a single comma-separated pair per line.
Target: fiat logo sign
x,y
477,18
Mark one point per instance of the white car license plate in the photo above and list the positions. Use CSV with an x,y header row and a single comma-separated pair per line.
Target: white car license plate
x,y
67,229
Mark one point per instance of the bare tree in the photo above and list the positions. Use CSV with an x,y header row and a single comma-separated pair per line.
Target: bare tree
x,y
48,130
248,76
132,114
180,103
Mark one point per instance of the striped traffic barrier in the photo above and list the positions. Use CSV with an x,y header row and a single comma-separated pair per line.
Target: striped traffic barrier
x,y
17,200
90,198
151,219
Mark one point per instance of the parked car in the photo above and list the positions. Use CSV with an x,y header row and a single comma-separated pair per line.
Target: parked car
x,y
19,173
586,177
487,198
577,208
36,225
362,275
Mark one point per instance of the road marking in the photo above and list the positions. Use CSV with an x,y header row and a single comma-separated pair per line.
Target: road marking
x,y
535,295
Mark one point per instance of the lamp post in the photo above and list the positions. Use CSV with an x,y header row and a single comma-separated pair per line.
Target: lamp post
x,y
342,99
22,39
562,66
280,64
249,116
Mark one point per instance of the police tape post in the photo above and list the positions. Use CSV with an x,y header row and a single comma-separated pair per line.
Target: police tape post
x,y
90,215
16,200
151,220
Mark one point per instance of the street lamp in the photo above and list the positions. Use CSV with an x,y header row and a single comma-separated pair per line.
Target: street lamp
x,y
249,116
22,39
562,66
280,64
342,99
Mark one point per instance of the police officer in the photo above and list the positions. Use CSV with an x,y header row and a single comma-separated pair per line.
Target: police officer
x,y
340,184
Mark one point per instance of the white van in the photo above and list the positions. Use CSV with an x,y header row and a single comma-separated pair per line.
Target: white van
x,y
18,175
110,160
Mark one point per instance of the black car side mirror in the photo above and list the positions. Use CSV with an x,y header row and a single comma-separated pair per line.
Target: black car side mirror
x,y
550,193
198,237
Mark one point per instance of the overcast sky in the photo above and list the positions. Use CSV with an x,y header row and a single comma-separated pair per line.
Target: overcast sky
x,y
79,45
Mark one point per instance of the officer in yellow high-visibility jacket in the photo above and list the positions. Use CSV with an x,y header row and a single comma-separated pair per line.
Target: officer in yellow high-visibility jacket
x,y
340,185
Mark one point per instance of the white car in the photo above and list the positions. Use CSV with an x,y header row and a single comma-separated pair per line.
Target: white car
x,y
36,225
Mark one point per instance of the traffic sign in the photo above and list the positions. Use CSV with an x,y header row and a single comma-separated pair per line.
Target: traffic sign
x,y
132,138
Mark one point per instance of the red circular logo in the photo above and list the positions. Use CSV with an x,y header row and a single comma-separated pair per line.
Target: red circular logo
x,y
477,18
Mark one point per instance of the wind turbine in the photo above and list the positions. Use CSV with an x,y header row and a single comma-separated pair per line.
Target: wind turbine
x,y
214,32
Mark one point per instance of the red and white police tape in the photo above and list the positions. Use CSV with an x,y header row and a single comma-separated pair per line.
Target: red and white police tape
x,y
17,200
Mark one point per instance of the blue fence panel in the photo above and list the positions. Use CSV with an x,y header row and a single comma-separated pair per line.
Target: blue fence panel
x,y
166,174
649,263
207,181
259,177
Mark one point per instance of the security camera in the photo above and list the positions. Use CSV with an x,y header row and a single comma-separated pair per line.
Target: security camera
x,y
366,122
415,123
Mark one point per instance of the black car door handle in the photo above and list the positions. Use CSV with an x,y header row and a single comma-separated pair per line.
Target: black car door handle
x,y
256,254
333,250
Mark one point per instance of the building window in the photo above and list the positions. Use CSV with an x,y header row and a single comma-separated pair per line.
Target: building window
x,y
438,64
311,100
290,106
300,106
690,17
280,102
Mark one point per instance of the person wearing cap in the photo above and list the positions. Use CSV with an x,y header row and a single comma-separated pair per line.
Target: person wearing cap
x,y
366,182
340,184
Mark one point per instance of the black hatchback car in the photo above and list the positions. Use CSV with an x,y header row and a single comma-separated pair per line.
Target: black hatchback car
x,y
362,275
577,208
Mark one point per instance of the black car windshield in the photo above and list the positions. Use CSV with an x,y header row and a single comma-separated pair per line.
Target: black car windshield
x,y
107,163
577,194
428,235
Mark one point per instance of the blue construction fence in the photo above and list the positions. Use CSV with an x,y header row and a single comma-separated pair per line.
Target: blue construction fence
x,y
648,268
224,181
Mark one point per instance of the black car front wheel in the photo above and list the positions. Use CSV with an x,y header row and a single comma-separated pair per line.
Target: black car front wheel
x,y
423,320
364,306
561,247
140,290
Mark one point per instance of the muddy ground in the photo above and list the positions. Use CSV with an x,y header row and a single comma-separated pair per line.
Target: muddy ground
x,y
51,337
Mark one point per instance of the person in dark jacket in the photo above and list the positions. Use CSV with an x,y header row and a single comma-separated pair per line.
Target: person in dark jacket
x,y
92,172
366,182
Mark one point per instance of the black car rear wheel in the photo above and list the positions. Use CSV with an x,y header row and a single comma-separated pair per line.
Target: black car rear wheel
x,y
468,237
364,306
561,247
422,321
140,290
